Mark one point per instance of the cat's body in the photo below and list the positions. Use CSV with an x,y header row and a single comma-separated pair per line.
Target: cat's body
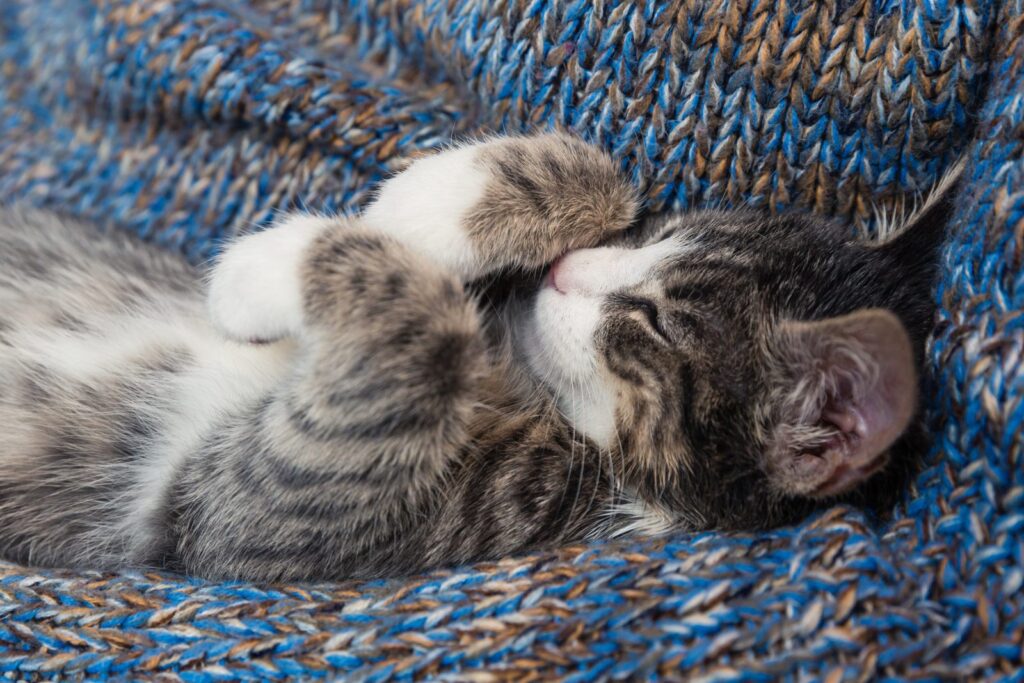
x,y
340,404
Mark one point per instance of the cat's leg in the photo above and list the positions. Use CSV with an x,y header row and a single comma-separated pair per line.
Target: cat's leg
x,y
505,202
473,209
328,475
352,452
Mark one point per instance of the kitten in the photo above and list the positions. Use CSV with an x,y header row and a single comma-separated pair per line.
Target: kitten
x,y
357,397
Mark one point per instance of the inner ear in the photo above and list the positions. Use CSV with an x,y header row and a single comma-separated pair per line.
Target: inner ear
x,y
849,390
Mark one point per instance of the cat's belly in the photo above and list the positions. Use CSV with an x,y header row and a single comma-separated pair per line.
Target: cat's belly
x,y
170,372
224,377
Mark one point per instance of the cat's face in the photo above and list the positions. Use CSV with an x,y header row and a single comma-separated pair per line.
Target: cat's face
x,y
738,366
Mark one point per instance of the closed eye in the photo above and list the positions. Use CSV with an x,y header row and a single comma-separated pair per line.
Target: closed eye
x,y
650,314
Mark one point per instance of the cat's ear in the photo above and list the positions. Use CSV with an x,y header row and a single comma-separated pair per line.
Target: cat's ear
x,y
847,389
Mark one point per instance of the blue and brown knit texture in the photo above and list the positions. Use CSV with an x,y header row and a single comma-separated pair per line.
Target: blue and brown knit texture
x,y
186,121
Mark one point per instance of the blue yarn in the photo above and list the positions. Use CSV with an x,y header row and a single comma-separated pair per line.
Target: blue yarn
x,y
187,122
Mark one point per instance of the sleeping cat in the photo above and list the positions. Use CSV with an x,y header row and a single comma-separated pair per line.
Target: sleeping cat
x,y
364,397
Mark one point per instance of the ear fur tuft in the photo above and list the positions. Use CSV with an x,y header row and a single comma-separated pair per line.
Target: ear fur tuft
x,y
926,221
849,390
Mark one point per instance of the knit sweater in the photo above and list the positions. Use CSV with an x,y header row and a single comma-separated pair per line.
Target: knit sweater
x,y
188,121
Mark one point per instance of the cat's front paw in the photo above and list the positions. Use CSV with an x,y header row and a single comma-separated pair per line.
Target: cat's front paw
x,y
255,289
505,202
546,195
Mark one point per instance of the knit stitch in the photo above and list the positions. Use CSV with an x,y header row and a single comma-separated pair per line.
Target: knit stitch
x,y
189,121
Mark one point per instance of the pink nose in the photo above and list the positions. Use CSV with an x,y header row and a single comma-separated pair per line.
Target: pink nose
x,y
575,271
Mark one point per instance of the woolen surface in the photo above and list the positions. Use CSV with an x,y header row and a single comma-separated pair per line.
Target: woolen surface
x,y
188,121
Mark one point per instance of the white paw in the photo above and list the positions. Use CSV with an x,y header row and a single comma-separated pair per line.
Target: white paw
x,y
424,207
255,290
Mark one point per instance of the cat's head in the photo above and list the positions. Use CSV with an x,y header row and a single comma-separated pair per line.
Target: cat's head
x,y
743,368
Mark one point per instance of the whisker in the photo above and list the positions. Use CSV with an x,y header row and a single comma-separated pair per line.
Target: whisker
x,y
572,446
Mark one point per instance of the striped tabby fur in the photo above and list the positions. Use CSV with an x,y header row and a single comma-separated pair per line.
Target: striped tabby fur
x,y
496,356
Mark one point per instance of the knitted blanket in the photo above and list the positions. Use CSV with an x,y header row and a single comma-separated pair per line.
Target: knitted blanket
x,y
189,120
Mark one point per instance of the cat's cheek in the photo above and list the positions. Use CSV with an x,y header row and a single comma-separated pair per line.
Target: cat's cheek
x,y
562,333
562,352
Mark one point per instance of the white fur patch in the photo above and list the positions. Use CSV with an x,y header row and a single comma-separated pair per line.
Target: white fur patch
x,y
223,376
593,272
634,516
424,207
255,291
227,376
560,349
